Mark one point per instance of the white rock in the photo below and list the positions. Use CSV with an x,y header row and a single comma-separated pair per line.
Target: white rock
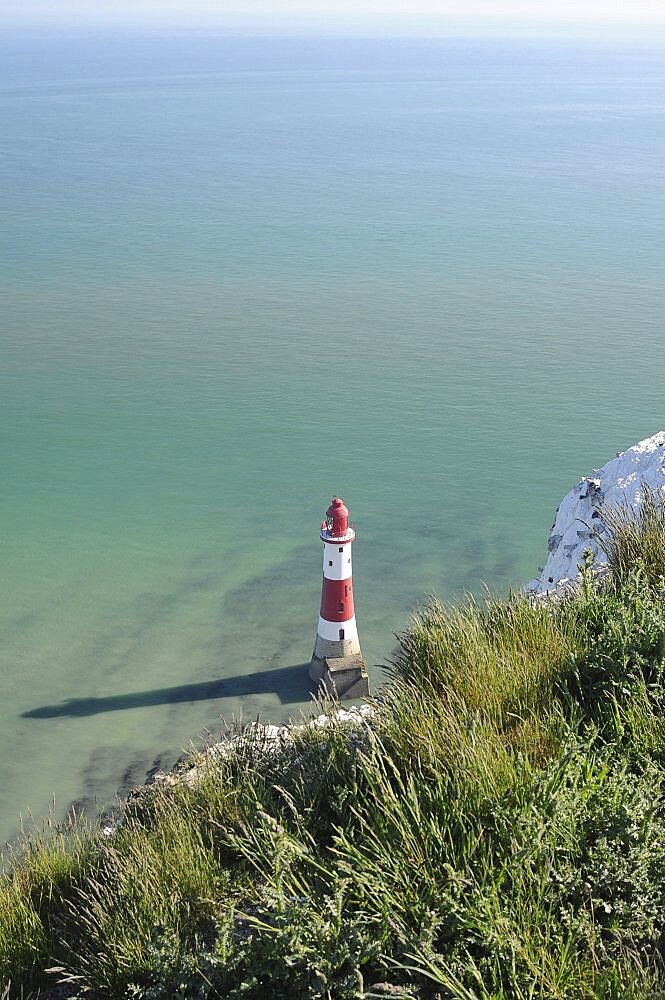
x,y
265,731
265,738
579,519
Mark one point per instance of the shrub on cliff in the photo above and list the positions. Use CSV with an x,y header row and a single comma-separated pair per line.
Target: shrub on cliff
x,y
636,538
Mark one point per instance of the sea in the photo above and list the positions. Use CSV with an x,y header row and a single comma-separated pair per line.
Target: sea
x,y
241,275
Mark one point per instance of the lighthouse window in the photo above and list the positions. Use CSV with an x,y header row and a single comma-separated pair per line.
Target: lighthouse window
x,y
330,562
346,590
341,633
341,606
341,549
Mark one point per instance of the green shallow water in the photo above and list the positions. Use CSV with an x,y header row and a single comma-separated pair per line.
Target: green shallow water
x,y
239,277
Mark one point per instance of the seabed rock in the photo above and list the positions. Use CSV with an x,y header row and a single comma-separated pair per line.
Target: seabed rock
x,y
579,523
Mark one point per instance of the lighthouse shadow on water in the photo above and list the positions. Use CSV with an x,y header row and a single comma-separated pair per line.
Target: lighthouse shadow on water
x,y
290,684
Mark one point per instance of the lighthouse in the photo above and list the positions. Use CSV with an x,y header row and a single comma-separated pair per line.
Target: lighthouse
x,y
337,662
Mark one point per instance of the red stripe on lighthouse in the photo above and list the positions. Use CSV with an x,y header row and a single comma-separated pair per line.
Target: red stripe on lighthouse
x,y
337,600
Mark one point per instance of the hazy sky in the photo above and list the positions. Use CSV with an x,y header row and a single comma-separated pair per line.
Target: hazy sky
x,y
332,15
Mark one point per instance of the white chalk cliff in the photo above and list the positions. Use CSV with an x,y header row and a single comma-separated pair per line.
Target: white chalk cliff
x,y
579,521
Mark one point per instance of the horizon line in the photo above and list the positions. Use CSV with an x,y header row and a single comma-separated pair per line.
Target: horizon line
x,y
651,33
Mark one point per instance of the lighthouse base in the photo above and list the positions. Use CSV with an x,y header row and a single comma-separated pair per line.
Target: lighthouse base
x,y
336,647
342,677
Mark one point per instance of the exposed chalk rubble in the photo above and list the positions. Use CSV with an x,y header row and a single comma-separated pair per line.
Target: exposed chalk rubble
x,y
263,739
579,523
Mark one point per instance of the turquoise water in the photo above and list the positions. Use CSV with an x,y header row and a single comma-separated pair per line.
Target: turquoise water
x,y
238,276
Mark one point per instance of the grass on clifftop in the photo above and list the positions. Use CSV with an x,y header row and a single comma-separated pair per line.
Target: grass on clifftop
x,y
496,830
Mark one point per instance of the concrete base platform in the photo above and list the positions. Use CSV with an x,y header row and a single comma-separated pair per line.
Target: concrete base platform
x,y
341,677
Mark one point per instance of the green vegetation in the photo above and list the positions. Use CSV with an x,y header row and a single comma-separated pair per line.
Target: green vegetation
x,y
635,541
494,831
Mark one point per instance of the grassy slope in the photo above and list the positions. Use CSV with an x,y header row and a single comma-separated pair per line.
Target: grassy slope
x,y
498,831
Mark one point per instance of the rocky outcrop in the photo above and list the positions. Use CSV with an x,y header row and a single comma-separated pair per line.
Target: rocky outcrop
x,y
258,740
579,523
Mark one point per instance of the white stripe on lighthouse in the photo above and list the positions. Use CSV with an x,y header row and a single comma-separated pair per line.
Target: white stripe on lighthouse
x,y
336,563
331,630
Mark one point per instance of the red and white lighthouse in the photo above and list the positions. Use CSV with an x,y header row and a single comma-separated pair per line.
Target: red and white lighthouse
x,y
337,634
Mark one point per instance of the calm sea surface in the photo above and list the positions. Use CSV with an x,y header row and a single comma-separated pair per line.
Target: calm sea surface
x,y
238,276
